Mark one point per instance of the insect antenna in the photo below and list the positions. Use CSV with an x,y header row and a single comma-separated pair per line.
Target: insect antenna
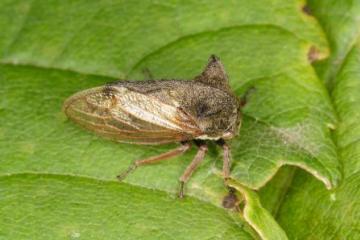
x,y
245,97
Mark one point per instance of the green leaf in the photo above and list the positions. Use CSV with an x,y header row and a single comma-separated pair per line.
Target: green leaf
x,y
48,53
340,21
61,33
335,214
67,207
257,216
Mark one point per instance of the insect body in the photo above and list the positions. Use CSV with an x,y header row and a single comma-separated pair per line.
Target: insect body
x,y
163,111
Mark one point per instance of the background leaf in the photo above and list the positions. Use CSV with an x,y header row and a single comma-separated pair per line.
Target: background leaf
x,y
66,207
48,53
335,214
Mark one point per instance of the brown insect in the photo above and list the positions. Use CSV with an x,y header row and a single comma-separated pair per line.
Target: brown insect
x,y
163,111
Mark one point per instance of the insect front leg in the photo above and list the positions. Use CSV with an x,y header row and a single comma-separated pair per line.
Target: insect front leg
x,y
192,166
164,156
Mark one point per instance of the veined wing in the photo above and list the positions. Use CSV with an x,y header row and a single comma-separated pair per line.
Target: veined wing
x,y
124,115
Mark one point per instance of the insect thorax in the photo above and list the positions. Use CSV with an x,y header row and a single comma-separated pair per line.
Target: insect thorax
x,y
215,110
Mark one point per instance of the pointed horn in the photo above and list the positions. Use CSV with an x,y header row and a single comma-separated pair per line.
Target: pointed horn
x,y
214,74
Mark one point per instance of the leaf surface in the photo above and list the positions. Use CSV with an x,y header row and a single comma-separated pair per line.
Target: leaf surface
x,y
334,214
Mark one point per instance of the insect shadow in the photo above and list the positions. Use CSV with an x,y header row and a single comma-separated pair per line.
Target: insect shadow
x,y
164,111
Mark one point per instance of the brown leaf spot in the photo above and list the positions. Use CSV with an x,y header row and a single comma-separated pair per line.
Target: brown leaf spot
x,y
306,9
313,54
230,200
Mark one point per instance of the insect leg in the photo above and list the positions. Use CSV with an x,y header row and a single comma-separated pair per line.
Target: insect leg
x,y
164,156
147,74
191,168
226,158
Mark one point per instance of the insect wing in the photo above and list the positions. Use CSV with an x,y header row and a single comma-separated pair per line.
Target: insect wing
x,y
128,116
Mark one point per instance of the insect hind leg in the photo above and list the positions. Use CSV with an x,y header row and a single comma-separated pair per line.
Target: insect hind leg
x,y
164,156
